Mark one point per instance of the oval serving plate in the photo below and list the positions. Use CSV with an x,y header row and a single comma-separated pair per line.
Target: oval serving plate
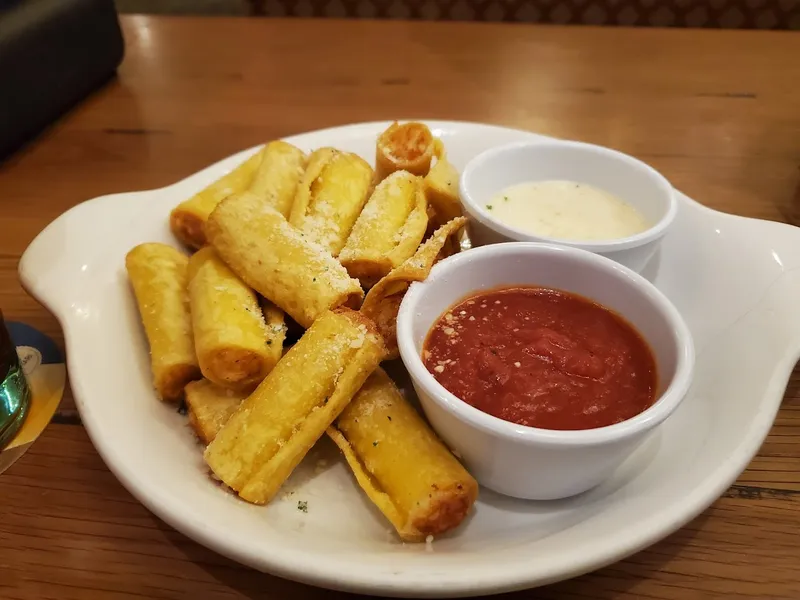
x,y
735,280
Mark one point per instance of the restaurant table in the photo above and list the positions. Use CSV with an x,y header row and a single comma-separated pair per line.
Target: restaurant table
x,y
718,112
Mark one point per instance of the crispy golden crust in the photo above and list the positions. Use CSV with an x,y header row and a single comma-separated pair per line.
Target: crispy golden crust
x,y
400,463
444,510
188,228
441,191
230,332
326,208
237,367
368,272
209,407
408,147
158,276
267,437
278,261
187,220
383,300
171,382
278,175
358,318
388,230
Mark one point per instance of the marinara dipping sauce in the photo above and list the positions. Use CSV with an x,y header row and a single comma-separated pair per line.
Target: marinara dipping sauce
x,y
543,358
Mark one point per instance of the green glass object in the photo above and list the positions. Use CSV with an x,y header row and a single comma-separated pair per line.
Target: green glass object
x,y
15,395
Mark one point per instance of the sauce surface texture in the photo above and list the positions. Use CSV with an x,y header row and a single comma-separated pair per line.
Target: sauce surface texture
x,y
567,210
542,358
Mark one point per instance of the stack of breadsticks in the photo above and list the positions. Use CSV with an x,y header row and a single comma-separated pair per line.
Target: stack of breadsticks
x,y
333,244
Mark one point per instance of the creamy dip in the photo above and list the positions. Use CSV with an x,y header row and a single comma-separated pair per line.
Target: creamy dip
x,y
567,210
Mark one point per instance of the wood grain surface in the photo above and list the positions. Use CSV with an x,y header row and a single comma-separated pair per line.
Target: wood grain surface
x,y
715,111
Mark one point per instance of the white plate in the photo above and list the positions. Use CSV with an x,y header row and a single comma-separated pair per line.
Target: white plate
x,y
735,280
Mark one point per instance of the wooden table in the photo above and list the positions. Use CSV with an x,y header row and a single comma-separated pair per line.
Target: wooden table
x,y
716,112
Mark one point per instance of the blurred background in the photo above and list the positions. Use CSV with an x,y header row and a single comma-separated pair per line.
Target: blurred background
x,y
55,52
726,14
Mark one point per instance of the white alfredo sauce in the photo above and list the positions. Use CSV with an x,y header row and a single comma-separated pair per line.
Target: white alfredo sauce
x,y
566,210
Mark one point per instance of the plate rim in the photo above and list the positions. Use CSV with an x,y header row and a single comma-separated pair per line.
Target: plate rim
x,y
377,581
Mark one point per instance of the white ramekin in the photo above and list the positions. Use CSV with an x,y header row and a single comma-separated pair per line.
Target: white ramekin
x,y
527,462
630,179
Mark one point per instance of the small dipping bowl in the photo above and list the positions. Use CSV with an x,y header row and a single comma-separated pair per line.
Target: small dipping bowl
x,y
627,178
528,462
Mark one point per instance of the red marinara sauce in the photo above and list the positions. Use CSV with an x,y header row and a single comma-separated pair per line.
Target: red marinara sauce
x,y
543,358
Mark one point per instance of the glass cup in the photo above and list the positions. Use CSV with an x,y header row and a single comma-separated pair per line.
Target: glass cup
x,y
15,395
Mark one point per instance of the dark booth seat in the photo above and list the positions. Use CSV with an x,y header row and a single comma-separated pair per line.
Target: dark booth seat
x,y
52,54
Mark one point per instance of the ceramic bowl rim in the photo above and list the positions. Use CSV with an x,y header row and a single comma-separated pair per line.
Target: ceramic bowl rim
x,y
478,212
667,402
